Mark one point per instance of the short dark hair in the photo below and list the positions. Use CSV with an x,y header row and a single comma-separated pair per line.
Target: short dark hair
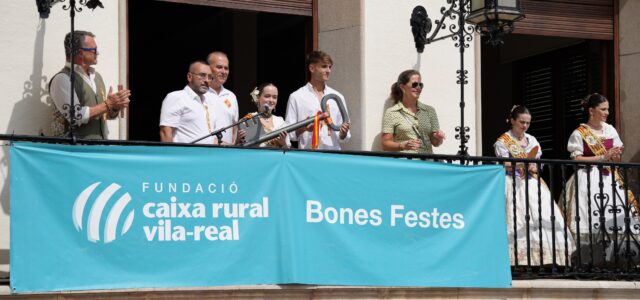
x,y
316,57
194,63
78,40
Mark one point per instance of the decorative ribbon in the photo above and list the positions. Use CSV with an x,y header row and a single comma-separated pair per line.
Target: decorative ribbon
x,y
518,151
594,142
316,131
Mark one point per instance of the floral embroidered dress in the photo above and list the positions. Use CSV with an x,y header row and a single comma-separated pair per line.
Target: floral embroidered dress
x,y
611,202
541,228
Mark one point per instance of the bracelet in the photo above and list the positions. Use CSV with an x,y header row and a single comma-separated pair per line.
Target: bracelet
x,y
107,105
401,146
602,157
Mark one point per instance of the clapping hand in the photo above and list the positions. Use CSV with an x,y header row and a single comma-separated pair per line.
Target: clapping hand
x,y
614,154
118,100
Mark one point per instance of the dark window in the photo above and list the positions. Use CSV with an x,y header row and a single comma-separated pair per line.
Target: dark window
x,y
164,37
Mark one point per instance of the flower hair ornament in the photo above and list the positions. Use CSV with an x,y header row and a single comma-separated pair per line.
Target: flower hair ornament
x,y
254,95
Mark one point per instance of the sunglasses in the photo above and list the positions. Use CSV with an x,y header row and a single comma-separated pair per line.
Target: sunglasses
x,y
94,49
416,84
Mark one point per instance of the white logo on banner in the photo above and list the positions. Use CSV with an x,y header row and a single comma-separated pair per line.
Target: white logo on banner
x,y
96,213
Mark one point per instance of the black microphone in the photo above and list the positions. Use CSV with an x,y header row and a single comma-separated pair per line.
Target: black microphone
x,y
266,110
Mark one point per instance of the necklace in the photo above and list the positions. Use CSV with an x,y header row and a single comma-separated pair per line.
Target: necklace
x,y
598,130
267,122
518,138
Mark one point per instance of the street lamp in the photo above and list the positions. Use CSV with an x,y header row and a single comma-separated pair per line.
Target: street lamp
x,y
494,18
44,8
491,18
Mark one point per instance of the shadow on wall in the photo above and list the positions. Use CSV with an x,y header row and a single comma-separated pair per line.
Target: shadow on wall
x,y
30,114
418,62
376,146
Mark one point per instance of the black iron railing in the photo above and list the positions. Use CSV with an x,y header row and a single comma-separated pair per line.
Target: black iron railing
x,y
560,225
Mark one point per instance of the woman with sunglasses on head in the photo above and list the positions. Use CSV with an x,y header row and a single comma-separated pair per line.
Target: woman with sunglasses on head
x,y
538,231
409,125
265,96
597,141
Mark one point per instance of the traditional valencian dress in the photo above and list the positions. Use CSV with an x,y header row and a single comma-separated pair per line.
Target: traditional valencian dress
x,y
541,228
584,141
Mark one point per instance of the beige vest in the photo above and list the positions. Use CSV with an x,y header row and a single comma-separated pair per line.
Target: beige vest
x,y
95,129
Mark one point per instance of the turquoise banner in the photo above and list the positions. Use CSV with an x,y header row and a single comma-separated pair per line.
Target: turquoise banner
x,y
113,217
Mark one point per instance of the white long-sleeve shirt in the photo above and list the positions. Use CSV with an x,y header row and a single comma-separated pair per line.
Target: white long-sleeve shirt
x,y
303,104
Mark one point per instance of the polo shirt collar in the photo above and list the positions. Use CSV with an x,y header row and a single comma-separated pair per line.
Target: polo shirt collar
x,y
400,107
191,93
223,91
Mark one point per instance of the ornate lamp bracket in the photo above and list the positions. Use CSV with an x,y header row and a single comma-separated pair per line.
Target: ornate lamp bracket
x,y
420,26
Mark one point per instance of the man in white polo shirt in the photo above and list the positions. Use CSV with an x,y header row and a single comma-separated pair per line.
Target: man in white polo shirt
x,y
224,101
187,114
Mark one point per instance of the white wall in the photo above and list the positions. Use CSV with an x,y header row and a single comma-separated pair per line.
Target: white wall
x,y
340,34
371,43
390,49
31,51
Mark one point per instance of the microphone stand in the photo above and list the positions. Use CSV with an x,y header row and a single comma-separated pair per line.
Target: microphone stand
x,y
218,133
274,134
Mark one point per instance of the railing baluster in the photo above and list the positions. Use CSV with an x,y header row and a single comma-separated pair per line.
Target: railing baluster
x,y
577,217
540,218
554,263
602,232
627,220
590,218
527,215
515,215
614,196
563,178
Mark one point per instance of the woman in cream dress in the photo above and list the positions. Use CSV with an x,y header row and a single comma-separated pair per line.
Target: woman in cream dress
x,y
266,96
539,230
597,141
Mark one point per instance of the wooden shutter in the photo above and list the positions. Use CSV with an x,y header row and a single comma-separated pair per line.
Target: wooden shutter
x,y
575,86
537,96
291,7
586,19
552,86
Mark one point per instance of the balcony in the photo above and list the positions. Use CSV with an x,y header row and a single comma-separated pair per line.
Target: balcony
x,y
578,250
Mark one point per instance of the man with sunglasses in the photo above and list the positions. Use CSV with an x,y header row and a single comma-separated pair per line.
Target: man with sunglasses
x,y
93,103
187,114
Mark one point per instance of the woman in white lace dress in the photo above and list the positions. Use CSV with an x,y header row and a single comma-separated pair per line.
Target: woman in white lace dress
x,y
597,141
539,230
266,96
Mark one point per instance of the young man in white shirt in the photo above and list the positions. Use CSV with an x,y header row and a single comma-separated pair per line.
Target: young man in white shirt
x,y
305,103
187,114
